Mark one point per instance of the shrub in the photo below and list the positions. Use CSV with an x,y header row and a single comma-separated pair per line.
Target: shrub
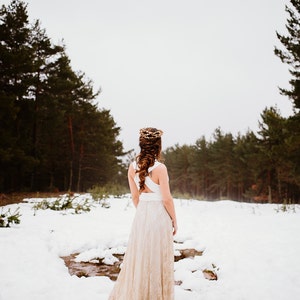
x,y
8,217
101,194
65,202
286,208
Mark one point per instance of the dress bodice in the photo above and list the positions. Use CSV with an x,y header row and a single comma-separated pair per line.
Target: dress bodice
x,y
155,194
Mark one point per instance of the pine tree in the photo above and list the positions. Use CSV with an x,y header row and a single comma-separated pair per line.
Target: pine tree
x,y
15,81
201,167
247,166
43,52
278,168
291,54
222,164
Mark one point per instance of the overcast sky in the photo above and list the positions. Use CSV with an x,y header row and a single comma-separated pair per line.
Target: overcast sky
x,y
186,67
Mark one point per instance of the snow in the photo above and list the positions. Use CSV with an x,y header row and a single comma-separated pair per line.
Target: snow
x,y
254,249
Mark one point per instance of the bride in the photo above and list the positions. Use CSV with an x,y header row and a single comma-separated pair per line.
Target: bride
x,y
147,272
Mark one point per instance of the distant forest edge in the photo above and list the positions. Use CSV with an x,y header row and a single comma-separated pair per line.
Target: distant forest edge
x,y
53,137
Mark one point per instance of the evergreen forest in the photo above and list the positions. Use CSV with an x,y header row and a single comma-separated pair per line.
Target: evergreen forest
x,y
53,136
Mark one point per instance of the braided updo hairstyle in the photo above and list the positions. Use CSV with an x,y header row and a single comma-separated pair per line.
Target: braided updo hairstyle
x,y
150,144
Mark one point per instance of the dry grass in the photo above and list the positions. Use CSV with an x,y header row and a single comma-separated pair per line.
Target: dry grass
x,y
12,198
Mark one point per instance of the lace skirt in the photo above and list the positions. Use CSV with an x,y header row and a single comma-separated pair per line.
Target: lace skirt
x,y
147,271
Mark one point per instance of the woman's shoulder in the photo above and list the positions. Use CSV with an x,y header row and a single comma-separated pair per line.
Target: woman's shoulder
x,y
160,166
161,171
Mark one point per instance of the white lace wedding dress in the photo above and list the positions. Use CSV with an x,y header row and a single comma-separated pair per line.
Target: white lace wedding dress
x,y
148,268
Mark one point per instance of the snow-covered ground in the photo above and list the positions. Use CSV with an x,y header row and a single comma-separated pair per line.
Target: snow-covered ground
x,y
254,247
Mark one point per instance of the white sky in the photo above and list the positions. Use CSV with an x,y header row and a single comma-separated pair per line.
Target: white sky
x,y
185,66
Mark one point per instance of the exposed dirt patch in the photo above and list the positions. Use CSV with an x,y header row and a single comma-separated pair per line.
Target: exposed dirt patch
x,y
185,253
98,268
94,268
210,274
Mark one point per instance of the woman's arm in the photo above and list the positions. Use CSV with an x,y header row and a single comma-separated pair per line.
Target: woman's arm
x,y
132,185
166,194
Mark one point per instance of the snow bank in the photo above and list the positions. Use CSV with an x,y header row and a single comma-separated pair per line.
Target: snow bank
x,y
253,248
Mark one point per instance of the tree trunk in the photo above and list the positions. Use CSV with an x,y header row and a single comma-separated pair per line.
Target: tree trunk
x,y
269,187
269,194
80,168
279,189
35,130
72,148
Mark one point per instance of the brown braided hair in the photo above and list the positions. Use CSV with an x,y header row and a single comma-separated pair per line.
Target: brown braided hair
x,y
150,144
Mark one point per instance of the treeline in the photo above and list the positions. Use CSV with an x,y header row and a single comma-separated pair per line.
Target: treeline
x,y
262,166
52,135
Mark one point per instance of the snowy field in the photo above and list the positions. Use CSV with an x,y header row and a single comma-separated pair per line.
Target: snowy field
x,y
254,248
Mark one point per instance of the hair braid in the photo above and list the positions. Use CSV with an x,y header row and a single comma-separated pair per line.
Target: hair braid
x,y
150,144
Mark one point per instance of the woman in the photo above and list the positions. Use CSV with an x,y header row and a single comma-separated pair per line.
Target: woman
x,y
147,272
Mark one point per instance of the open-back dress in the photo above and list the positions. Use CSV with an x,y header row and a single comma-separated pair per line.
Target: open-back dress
x,y
147,271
